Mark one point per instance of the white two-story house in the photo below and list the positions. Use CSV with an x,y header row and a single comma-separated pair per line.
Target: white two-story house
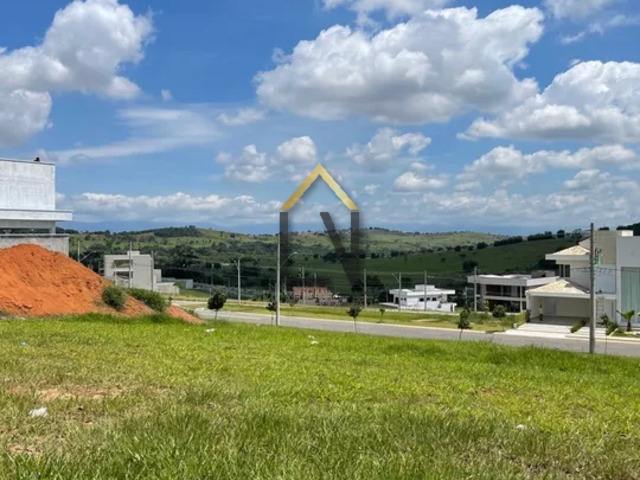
x,y
617,279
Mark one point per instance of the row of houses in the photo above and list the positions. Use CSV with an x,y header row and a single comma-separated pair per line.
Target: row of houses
x,y
561,295
566,296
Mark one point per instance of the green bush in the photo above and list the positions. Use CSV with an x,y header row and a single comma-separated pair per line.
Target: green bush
x,y
217,301
499,311
578,325
527,316
610,325
153,300
115,297
463,322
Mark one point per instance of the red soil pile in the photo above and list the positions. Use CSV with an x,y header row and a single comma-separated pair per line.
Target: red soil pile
x,y
177,312
37,282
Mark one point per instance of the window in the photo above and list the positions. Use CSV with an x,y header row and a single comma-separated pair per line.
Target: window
x,y
630,289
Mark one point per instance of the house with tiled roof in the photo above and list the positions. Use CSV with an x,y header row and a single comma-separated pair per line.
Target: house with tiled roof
x,y
617,279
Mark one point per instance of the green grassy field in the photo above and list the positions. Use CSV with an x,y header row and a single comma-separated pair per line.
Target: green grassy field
x,y
137,399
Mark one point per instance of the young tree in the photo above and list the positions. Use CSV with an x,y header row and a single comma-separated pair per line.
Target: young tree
x,y
353,312
272,308
382,310
217,301
463,322
628,316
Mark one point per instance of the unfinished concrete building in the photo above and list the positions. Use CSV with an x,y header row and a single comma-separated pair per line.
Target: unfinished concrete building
x,y
135,270
28,205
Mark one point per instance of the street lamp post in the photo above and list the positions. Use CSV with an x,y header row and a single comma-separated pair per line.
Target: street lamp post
x,y
278,288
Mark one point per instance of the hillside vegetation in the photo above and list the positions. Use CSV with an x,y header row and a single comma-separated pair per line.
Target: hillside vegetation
x,y
209,256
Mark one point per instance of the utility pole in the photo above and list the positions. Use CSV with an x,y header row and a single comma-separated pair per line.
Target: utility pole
x,y
304,288
365,288
78,246
130,263
151,265
278,285
425,290
315,286
592,291
400,292
239,284
475,289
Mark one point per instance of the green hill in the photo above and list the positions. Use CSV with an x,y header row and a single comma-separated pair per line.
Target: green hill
x,y
207,256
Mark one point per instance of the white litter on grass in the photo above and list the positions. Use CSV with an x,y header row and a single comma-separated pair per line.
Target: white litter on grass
x,y
210,330
521,427
38,412
315,342
311,337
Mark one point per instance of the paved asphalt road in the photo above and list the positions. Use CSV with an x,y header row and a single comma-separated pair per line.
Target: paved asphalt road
x,y
614,347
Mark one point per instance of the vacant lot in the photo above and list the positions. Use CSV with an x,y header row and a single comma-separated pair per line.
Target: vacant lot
x,y
138,399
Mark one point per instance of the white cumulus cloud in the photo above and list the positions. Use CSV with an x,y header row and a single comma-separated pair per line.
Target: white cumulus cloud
x,y
576,9
174,207
251,166
439,64
298,150
83,50
416,182
393,8
385,148
591,101
508,163
291,159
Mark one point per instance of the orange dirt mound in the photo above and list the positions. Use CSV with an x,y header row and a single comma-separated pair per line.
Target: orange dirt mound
x,y
177,312
37,282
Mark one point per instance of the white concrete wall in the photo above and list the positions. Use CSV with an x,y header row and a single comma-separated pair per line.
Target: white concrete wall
x,y
606,278
579,273
141,270
56,243
27,185
571,307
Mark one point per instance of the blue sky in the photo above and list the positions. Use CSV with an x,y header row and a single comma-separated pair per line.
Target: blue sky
x,y
432,114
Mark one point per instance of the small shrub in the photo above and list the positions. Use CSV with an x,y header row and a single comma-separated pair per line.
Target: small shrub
x,y
499,311
527,316
578,325
353,312
486,307
611,326
463,321
153,300
114,297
